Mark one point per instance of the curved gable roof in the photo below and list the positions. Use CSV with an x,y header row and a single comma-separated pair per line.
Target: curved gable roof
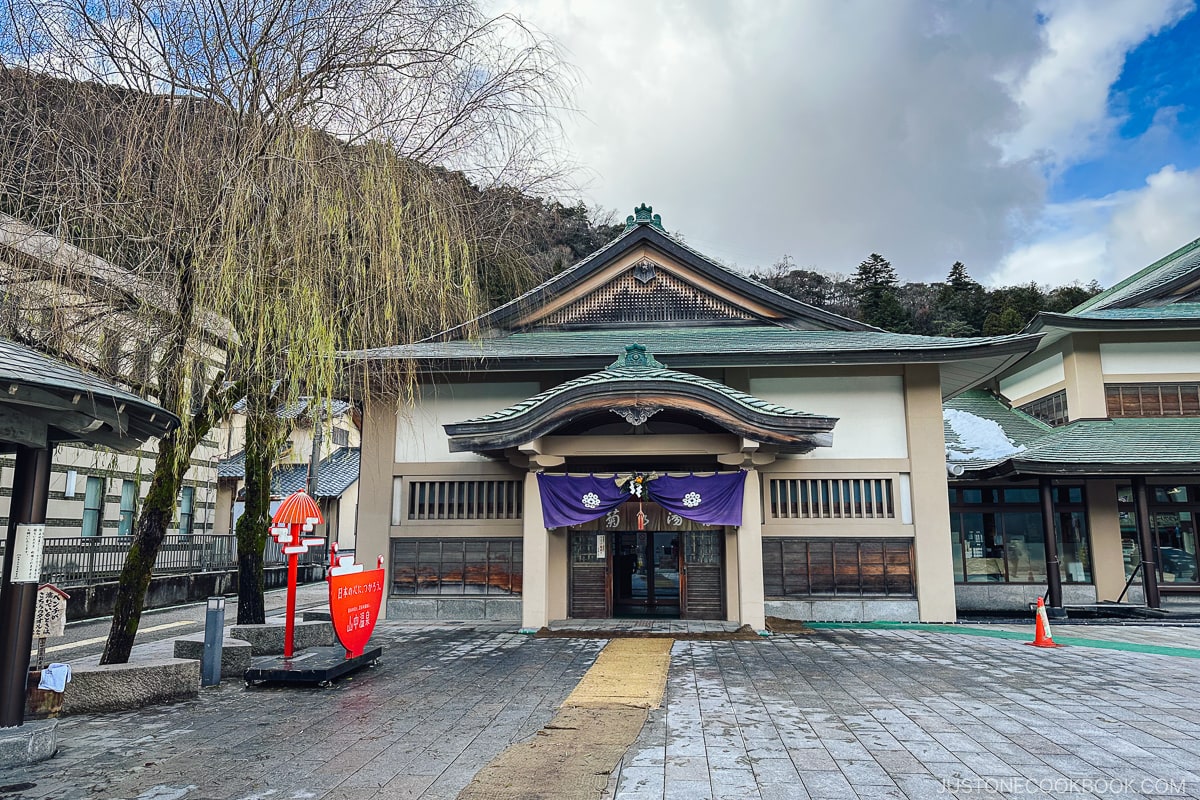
x,y
643,231
639,385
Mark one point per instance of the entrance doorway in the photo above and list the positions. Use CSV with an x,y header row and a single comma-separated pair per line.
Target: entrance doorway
x,y
646,574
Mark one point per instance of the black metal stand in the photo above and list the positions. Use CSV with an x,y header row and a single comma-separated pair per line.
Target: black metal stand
x,y
30,493
320,665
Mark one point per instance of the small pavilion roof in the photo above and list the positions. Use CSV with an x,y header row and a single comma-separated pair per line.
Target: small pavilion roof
x,y
43,398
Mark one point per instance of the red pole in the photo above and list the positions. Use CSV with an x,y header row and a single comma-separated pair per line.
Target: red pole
x,y
290,623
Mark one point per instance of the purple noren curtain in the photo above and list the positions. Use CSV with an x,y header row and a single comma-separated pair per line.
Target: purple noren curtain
x,y
571,500
711,500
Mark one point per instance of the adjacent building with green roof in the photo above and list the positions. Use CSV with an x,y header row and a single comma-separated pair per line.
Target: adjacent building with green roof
x,y
1103,421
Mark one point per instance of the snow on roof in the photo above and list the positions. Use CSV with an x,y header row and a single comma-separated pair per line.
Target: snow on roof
x,y
982,439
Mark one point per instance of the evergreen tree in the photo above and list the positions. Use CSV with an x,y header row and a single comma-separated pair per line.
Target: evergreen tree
x,y
1007,321
875,289
958,277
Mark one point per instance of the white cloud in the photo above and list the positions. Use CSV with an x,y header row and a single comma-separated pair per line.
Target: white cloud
x,y
1113,237
828,130
1064,97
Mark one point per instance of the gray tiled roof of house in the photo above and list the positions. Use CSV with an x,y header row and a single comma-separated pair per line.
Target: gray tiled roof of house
x,y
298,407
232,467
1144,284
337,473
1163,312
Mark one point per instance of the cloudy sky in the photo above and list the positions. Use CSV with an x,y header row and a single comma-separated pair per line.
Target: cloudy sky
x,y
1046,141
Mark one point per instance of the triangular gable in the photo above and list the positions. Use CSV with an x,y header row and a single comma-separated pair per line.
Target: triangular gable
x,y
646,276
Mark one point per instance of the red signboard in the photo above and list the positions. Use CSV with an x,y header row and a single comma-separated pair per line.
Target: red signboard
x,y
354,601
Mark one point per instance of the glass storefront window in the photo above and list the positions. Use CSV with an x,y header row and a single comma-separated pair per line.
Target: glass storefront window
x,y
1005,543
1173,513
1074,556
1026,547
1176,536
1130,552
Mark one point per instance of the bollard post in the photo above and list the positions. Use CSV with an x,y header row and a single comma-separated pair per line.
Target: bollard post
x,y
214,635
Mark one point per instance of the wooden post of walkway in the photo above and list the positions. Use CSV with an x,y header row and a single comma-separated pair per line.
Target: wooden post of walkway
x,y
30,493
1053,575
1146,543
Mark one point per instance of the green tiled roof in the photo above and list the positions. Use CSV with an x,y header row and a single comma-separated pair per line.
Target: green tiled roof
x,y
1144,284
1163,445
1163,312
670,343
1020,428
626,375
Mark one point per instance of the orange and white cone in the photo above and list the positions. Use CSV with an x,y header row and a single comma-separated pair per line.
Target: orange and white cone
x,y
1041,635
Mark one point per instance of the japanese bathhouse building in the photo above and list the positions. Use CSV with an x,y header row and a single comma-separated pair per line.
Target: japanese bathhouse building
x,y
1099,431
789,461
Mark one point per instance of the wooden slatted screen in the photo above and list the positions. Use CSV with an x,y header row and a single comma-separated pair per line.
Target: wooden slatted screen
x,y
589,590
478,499
832,498
1152,399
804,567
703,586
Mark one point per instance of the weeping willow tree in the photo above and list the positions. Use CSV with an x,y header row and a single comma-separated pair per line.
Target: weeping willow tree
x,y
264,163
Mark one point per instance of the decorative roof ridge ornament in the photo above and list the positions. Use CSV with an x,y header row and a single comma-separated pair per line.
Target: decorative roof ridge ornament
x,y
644,215
636,356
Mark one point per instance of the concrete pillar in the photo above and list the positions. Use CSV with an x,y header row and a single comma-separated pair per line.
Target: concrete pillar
x,y
1084,377
1104,528
751,610
375,482
535,581
930,505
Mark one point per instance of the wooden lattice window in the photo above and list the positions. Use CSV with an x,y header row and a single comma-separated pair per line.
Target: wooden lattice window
x,y
1152,399
645,296
804,567
832,498
450,499
1051,409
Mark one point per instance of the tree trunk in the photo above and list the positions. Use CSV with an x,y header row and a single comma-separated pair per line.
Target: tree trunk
x,y
252,526
157,511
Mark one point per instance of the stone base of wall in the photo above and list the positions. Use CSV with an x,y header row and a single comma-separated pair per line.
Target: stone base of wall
x,y
36,740
88,602
455,609
1015,596
268,639
117,687
845,610
235,654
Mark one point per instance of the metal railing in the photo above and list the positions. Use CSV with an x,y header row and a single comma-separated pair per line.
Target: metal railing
x,y
87,560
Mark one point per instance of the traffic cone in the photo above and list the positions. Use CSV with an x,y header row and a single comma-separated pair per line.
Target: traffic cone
x,y
1041,635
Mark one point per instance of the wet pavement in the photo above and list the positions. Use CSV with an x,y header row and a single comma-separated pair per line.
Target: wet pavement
x,y
839,713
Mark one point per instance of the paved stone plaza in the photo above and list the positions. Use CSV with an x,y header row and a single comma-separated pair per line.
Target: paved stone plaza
x,y
838,713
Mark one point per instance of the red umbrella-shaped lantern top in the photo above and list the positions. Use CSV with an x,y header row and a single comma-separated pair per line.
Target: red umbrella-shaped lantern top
x,y
297,509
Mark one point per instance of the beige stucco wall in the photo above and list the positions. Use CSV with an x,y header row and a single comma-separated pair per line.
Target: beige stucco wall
x,y
1104,526
870,411
1149,358
419,435
1034,380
